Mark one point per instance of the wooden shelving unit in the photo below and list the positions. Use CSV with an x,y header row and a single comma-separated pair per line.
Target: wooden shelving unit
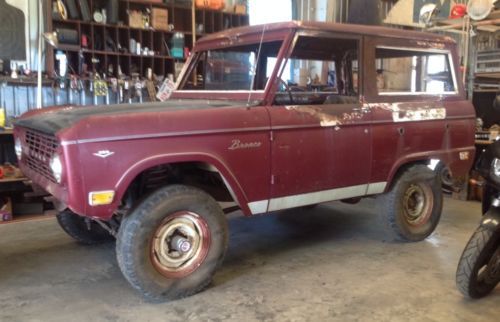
x,y
161,63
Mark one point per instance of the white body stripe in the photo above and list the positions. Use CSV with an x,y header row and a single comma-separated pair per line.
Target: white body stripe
x,y
259,207
377,187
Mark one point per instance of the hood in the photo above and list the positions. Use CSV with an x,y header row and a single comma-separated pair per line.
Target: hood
x,y
53,120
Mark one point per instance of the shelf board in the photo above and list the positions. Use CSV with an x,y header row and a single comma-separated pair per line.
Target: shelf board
x,y
486,90
6,132
25,218
120,26
8,180
490,24
483,142
488,75
114,53
66,47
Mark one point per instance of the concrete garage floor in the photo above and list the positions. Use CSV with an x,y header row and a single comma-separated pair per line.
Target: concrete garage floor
x,y
326,264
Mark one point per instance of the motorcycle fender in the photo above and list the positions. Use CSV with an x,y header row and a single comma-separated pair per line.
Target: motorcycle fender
x,y
491,220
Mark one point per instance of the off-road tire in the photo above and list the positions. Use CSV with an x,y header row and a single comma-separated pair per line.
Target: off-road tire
x,y
445,176
135,237
394,215
76,227
479,250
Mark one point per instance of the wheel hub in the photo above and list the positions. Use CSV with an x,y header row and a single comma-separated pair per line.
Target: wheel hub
x,y
416,204
180,244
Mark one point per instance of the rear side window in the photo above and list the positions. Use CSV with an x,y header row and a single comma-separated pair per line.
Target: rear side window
x,y
401,71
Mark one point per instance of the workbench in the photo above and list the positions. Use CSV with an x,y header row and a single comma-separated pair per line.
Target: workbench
x,y
15,188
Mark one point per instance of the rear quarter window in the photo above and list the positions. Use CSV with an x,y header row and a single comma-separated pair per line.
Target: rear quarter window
x,y
414,71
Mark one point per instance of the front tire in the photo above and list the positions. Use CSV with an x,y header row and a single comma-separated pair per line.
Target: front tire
x,y
412,208
170,246
478,269
84,230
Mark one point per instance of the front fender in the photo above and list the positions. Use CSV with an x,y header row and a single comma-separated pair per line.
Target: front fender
x,y
233,185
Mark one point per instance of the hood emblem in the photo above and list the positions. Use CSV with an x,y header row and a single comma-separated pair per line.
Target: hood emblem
x,y
104,154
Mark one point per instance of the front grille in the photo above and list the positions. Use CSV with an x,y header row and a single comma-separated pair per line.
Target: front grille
x,y
39,150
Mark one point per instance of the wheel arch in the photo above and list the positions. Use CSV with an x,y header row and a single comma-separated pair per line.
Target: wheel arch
x,y
229,180
401,166
451,158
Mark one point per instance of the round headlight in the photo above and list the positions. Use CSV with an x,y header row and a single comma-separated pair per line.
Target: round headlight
x,y
495,167
18,147
56,167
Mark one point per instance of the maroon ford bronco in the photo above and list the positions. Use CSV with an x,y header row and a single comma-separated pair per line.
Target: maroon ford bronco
x,y
263,118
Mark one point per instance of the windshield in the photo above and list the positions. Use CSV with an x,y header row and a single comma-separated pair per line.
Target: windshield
x,y
232,68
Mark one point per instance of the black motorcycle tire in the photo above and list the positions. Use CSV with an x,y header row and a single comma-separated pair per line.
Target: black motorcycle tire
x,y
483,244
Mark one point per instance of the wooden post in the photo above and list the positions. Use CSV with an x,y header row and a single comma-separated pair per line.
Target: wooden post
x,y
193,30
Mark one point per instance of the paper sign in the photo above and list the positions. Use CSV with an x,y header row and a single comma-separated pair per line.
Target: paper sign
x,y
166,90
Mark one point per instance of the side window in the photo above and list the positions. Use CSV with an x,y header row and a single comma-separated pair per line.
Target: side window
x,y
320,70
233,68
413,72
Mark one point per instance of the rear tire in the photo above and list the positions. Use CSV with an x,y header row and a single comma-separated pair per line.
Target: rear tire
x,y
475,259
78,228
412,208
170,246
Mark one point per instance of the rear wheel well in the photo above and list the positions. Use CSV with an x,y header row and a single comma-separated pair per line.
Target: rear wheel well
x,y
196,174
402,168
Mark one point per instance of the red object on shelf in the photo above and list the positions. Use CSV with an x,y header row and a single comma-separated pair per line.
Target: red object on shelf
x,y
210,4
458,11
85,41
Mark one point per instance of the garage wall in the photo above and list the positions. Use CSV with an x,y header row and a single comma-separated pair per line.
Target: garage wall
x,y
353,11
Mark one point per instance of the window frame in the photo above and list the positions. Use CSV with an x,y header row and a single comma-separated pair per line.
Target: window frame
x,y
445,52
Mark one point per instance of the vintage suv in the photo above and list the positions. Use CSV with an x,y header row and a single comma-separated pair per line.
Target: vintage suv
x,y
267,118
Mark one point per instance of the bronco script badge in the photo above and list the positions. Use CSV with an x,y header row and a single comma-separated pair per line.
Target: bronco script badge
x,y
238,145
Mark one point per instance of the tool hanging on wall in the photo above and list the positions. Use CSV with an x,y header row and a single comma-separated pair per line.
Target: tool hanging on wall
x,y
128,93
138,87
73,87
120,91
114,86
81,90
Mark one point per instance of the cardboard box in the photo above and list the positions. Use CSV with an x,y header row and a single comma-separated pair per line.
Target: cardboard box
x,y
240,9
5,209
159,19
135,19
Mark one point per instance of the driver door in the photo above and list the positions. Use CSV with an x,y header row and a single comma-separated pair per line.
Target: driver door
x,y
320,127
